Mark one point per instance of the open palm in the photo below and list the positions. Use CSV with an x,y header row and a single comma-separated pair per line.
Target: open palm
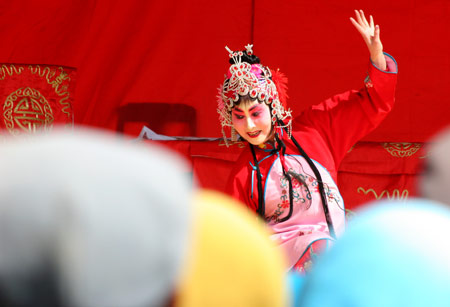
x,y
371,36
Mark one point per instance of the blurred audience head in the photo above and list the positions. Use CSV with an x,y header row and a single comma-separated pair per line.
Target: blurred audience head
x,y
91,221
233,261
392,254
435,182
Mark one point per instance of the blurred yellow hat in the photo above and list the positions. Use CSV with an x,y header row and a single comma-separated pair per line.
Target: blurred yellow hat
x,y
232,262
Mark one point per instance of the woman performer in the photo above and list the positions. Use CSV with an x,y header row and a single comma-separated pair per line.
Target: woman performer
x,y
288,172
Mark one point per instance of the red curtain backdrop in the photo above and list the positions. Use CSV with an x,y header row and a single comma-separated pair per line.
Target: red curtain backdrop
x,y
140,55
173,52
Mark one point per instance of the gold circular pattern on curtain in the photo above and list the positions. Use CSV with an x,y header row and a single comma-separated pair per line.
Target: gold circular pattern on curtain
x,y
26,110
401,150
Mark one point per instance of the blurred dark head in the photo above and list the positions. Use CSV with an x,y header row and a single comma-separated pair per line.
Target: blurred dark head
x,y
88,220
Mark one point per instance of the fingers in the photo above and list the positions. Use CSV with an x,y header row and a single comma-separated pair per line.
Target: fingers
x,y
360,29
357,25
377,33
363,18
358,17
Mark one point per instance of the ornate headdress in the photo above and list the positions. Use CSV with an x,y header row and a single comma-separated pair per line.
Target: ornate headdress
x,y
257,82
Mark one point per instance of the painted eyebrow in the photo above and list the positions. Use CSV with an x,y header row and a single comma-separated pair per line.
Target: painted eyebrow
x,y
236,109
254,107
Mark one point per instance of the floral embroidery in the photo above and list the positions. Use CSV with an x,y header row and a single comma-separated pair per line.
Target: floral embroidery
x,y
368,82
300,193
279,211
285,204
303,186
332,195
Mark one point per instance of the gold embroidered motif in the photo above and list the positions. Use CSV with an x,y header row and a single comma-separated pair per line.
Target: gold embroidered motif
x,y
11,70
56,83
402,150
237,143
395,193
27,110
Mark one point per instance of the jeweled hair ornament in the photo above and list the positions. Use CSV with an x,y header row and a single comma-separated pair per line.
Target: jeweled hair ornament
x,y
254,81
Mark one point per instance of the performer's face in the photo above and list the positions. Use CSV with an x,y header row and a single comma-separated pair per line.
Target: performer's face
x,y
252,121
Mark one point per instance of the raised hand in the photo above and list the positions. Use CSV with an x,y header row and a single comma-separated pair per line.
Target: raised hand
x,y
371,35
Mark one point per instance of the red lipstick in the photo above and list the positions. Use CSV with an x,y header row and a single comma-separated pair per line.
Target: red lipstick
x,y
254,134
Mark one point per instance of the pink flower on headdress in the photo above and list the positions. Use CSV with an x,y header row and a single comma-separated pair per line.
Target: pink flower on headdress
x,y
256,70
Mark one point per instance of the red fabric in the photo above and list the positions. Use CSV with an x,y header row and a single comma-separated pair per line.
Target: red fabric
x,y
372,171
173,52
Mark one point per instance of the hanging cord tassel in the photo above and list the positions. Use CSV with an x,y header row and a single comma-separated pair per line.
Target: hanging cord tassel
x,y
261,202
302,181
287,176
320,182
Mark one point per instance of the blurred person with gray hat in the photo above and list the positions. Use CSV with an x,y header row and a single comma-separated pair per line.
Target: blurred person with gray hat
x,y
87,220
435,180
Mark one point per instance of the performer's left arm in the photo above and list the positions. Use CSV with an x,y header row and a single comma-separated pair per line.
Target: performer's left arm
x,y
344,119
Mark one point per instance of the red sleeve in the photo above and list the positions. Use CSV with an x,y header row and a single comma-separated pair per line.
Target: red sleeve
x,y
240,182
344,119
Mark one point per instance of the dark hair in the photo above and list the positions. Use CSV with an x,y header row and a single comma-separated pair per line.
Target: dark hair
x,y
251,59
